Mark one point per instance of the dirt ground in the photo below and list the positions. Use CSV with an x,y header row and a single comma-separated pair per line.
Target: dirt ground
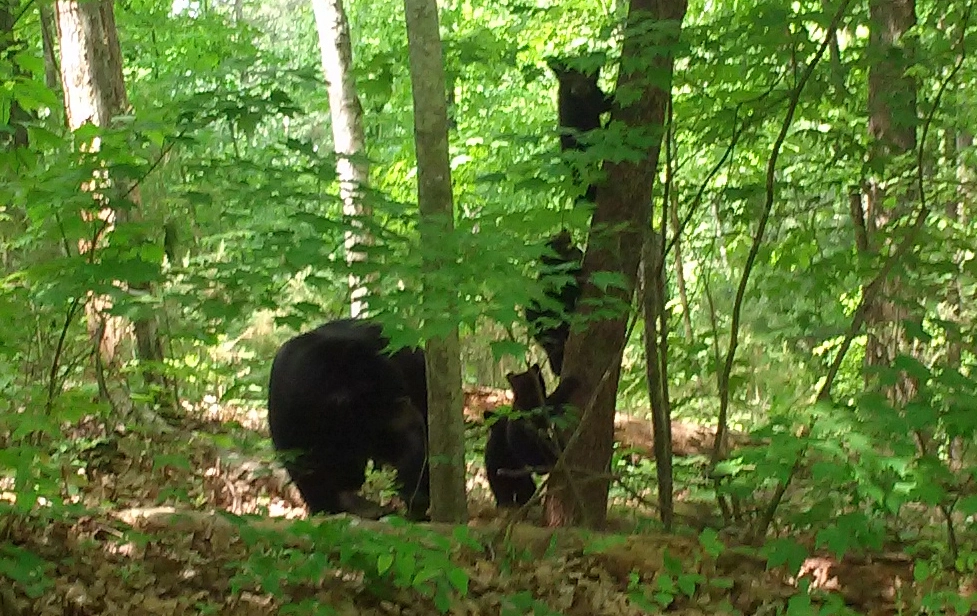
x,y
235,544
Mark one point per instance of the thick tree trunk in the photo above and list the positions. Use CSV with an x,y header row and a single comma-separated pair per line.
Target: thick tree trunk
x,y
94,91
579,484
347,132
892,129
446,413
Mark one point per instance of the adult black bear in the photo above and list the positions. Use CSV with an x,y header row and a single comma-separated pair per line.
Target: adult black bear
x,y
561,278
580,103
523,444
337,399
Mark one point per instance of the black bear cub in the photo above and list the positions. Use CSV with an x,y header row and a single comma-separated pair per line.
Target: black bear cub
x,y
337,399
523,443
562,278
580,103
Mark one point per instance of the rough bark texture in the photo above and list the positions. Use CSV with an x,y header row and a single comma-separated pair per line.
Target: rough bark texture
x,y
578,486
94,91
347,131
446,423
892,130
91,62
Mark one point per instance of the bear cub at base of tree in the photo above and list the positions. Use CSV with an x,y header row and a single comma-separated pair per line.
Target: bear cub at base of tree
x,y
523,444
336,399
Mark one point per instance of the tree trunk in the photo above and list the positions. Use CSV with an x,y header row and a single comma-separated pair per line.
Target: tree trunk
x,y
955,209
680,267
9,46
721,238
892,132
656,337
579,484
446,413
347,133
48,38
94,91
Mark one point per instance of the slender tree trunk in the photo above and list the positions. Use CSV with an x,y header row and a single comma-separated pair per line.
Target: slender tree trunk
x,y
347,133
892,131
955,211
48,40
579,484
656,337
94,91
680,268
8,46
446,413
720,239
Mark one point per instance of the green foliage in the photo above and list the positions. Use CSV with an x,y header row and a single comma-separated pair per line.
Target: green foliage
x,y
676,579
238,241
404,557
522,603
24,569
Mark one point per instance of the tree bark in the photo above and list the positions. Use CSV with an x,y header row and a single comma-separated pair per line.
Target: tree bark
x,y
579,485
9,46
94,91
48,37
892,132
346,113
446,423
955,210
680,268
656,337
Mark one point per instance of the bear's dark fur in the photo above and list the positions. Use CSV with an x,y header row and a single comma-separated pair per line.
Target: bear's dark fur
x,y
580,103
510,490
522,444
337,399
562,279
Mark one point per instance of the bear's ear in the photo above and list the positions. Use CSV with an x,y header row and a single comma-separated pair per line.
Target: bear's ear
x,y
509,376
488,415
557,66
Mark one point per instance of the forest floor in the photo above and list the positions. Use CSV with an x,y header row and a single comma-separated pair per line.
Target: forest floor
x,y
121,553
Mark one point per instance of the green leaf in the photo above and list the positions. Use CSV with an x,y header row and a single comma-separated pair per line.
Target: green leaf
x,y
922,571
458,579
711,543
383,563
784,551
967,505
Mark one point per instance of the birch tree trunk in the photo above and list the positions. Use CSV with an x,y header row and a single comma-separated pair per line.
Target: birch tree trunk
x,y
346,114
94,91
